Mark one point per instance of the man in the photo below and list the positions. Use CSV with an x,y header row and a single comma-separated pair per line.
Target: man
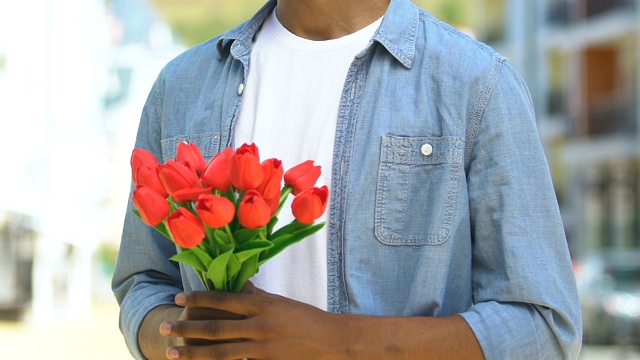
x,y
444,238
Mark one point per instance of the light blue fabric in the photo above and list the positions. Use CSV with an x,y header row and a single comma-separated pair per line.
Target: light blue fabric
x,y
467,224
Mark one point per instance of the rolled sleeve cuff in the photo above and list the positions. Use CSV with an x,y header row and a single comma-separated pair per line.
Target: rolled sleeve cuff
x,y
506,331
136,305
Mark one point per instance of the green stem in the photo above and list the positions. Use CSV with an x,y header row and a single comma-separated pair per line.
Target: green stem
x,y
205,281
286,191
230,234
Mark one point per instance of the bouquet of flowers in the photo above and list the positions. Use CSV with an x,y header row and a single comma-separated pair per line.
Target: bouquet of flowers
x,y
222,214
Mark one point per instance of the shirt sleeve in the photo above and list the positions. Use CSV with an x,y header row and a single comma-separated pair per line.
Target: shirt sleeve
x,y
524,293
144,277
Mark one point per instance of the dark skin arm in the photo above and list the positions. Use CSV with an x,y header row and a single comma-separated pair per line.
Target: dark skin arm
x,y
152,344
275,327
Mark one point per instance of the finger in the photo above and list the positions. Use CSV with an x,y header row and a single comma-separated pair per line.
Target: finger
x,y
237,303
224,351
201,313
206,329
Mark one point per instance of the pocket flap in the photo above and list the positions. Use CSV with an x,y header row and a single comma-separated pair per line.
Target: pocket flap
x,y
421,150
208,143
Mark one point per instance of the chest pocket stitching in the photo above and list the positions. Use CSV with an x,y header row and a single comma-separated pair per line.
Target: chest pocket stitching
x,y
400,156
208,143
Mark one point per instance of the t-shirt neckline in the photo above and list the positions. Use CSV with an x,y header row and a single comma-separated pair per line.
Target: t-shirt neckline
x,y
298,43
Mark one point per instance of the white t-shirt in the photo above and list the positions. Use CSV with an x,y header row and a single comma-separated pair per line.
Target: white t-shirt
x,y
289,110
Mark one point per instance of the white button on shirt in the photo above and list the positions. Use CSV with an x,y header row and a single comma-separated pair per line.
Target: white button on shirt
x,y
426,149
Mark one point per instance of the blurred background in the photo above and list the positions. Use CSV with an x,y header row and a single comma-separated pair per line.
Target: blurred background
x,y
74,75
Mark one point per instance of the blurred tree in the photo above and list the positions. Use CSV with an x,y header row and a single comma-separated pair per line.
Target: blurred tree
x,y
198,20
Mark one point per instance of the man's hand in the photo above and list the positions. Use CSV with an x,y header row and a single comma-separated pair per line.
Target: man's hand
x,y
268,326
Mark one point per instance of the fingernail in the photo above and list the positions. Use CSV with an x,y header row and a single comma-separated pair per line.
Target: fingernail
x,y
180,299
173,354
165,329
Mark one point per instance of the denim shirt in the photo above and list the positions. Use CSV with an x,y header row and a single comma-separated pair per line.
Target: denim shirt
x,y
442,200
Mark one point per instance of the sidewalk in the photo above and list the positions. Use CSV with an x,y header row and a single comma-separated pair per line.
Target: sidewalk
x,y
96,337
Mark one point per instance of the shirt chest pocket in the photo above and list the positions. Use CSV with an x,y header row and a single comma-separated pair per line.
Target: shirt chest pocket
x,y
416,191
208,143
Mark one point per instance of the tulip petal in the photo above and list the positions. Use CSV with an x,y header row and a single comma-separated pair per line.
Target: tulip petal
x,y
186,228
153,207
272,178
141,158
175,176
253,212
215,211
149,177
302,176
190,156
190,194
309,205
246,172
218,172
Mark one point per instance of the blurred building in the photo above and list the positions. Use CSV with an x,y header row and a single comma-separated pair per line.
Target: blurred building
x,y
589,90
581,59
51,87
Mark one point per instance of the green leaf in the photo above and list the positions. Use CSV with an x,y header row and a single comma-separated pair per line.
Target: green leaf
x,y
188,257
251,248
243,236
282,242
289,229
162,228
233,268
202,255
249,268
272,223
220,238
207,247
218,270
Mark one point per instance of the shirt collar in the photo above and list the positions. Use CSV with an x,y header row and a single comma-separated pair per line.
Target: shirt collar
x,y
399,30
397,33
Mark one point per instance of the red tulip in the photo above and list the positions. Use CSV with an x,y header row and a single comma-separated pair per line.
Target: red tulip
x,y
302,176
186,228
141,158
309,205
271,184
153,207
246,172
215,211
190,156
218,172
175,176
253,211
274,204
189,194
149,177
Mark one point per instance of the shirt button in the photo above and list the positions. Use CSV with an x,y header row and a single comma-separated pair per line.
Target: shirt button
x,y
240,89
426,149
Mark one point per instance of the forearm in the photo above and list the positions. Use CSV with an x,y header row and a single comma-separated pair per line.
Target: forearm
x,y
409,338
153,344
